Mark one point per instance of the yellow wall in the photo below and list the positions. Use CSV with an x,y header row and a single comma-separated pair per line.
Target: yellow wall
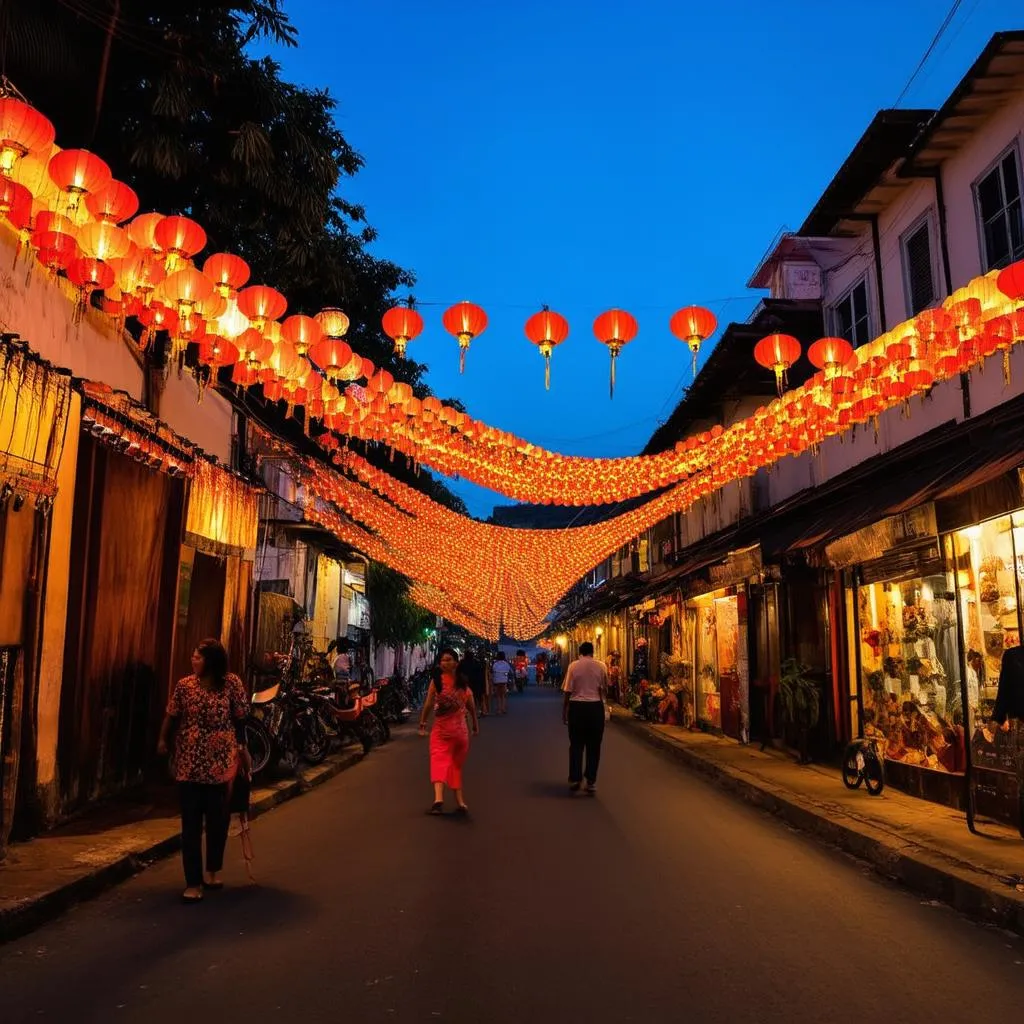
x,y
55,615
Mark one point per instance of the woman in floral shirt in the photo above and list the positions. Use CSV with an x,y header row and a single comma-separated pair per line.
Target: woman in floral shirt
x,y
207,712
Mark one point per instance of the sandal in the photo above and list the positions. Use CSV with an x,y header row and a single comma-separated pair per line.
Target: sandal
x,y
462,809
436,808
191,898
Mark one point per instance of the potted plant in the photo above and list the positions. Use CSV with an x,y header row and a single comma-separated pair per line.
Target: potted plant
x,y
800,701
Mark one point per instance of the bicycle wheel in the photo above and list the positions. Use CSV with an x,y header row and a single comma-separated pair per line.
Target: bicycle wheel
x,y
257,742
853,762
874,774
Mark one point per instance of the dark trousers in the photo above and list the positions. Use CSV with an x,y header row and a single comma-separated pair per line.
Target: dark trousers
x,y
586,730
201,803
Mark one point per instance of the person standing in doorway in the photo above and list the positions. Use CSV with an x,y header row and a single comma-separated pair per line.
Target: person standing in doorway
x,y
451,700
206,713
585,689
501,676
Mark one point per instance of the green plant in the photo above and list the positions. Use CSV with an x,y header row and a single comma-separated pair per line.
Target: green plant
x,y
799,695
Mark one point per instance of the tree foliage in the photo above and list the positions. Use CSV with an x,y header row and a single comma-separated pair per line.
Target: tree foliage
x,y
396,620
169,94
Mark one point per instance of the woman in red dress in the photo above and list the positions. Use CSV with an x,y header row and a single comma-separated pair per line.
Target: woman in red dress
x,y
451,701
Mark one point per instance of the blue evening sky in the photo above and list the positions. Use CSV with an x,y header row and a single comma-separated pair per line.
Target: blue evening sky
x,y
592,153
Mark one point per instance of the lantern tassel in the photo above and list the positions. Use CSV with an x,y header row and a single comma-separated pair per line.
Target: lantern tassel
x,y
1006,367
547,372
611,383
463,349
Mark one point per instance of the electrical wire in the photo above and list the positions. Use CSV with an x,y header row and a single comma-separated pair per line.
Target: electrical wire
x,y
947,21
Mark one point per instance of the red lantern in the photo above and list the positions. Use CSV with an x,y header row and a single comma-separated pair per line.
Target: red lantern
x,y
227,271
466,322
830,355
115,202
22,130
546,330
402,324
777,352
143,230
217,352
694,325
301,331
78,173
15,201
90,275
1011,281
332,355
262,304
180,238
615,328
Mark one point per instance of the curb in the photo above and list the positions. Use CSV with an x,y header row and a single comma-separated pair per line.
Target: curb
x,y
923,871
19,920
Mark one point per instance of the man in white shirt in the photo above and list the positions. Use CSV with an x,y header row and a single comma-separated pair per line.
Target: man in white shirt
x,y
585,689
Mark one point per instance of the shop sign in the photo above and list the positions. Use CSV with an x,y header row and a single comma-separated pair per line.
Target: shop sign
x,y
882,538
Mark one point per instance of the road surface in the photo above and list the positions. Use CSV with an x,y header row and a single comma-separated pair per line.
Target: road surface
x,y
660,899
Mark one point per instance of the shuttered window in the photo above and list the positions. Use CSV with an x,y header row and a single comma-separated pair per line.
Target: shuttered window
x,y
918,270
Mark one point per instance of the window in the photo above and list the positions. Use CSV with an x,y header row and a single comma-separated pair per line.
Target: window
x,y
850,317
999,213
918,270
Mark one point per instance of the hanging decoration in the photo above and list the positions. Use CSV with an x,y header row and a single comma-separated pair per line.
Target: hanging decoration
x,y
614,329
778,352
466,322
694,325
547,329
402,324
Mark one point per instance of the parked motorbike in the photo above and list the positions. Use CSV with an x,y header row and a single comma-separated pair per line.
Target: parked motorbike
x,y
347,716
393,700
283,727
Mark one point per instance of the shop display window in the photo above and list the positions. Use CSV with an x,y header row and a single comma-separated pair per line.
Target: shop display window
x,y
989,562
910,678
709,698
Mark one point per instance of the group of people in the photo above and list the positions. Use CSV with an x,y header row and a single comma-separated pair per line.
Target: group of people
x,y
203,732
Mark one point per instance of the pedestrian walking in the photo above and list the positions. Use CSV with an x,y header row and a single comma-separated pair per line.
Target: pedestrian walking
x,y
451,701
206,714
583,711
473,669
501,674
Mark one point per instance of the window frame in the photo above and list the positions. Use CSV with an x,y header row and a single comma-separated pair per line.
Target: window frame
x,y
864,279
994,165
925,220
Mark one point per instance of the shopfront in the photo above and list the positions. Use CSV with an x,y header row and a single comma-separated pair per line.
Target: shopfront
x,y
931,619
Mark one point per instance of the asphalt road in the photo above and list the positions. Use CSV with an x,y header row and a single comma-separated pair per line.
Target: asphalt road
x,y
660,899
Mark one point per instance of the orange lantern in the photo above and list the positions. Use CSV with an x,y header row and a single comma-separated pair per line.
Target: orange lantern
x,y
143,230
180,238
830,355
466,322
1011,281
615,328
777,352
402,324
115,202
15,201
78,173
302,331
103,241
217,352
261,304
22,130
694,325
333,322
332,355
546,330
227,271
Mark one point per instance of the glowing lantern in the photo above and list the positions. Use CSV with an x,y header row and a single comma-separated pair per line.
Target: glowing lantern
x,y
546,330
777,352
15,202
830,355
217,351
694,325
185,289
227,271
179,238
262,304
302,331
232,322
143,231
332,355
89,275
402,324
22,130
466,322
78,173
103,241
333,322
615,328
1011,281
115,202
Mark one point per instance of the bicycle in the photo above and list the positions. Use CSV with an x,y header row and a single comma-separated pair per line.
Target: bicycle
x,y
862,763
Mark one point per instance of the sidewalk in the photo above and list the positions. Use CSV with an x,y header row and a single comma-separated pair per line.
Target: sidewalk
x,y
42,878
922,845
